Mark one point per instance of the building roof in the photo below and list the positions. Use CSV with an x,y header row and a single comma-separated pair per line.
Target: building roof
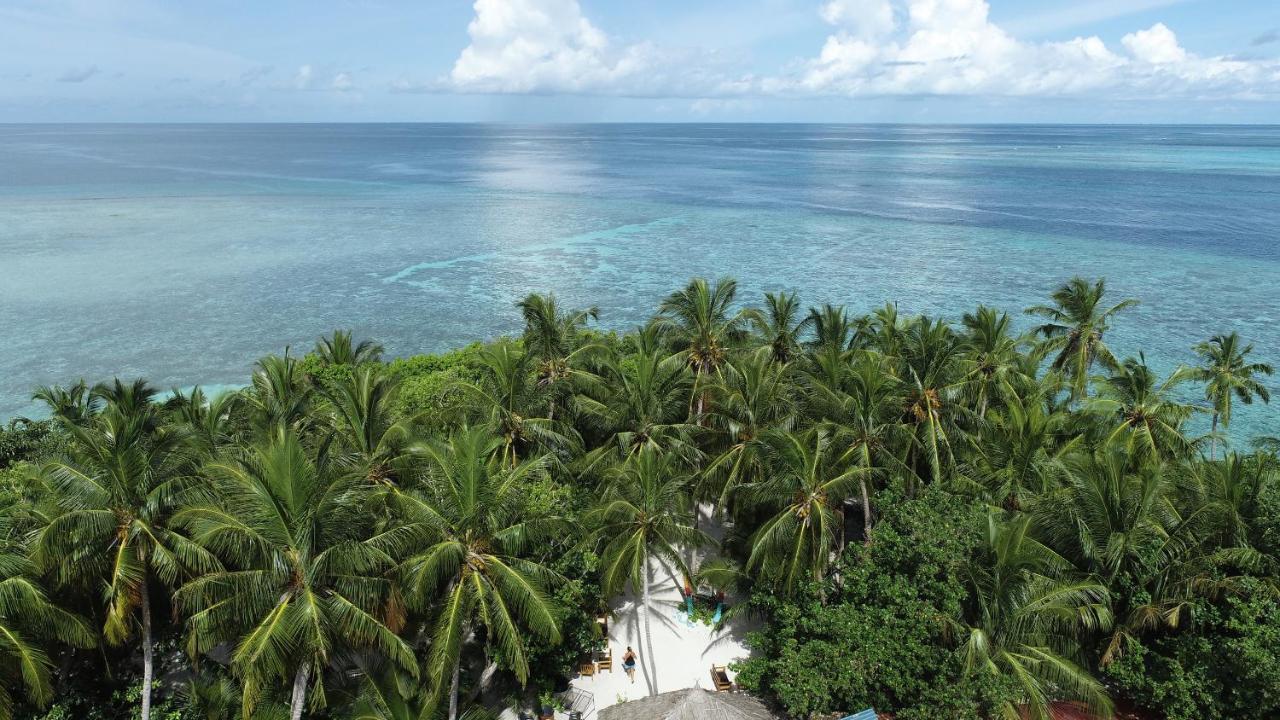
x,y
692,704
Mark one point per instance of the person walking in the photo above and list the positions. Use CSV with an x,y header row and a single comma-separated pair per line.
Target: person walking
x,y
629,663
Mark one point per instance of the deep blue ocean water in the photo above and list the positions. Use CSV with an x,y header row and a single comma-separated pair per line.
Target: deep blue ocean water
x,y
183,252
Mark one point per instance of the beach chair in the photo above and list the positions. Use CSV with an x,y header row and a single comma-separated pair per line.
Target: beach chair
x,y
720,678
867,714
605,662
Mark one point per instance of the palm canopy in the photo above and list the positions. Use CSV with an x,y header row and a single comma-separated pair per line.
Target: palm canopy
x,y
302,579
778,325
466,539
513,404
340,348
646,513
122,476
994,369
704,325
1228,375
27,621
804,489
1074,328
1145,415
373,439
753,393
1024,620
280,395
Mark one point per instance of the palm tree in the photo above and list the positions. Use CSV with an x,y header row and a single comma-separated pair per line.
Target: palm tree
x,y
829,327
280,395
1022,451
929,354
302,578
341,349
375,441
638,401
994,369
210,423
512,402
1074,329
1023,622
646,516
704,326
777,325
122,476
553,338
27,620
753,393
861,402
467,537
1227,373
75,404
1144,413
804,489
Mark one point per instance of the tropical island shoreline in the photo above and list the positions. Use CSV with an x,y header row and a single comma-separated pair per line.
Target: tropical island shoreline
x,y
833,511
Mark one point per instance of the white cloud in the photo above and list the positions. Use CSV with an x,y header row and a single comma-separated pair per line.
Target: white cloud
x,y
875,48
951,47
864,18
1156,45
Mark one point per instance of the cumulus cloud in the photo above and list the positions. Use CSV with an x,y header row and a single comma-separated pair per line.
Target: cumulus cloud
x,y
78,75
951,47
550,46
308,78
874,48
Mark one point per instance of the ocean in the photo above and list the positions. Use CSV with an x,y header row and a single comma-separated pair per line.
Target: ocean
x,y
181,253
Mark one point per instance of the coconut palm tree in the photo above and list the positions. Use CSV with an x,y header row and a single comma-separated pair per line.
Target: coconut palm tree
x,y
1024,621
932,374
638,401
645,519
1074,329
302,580
861,404
1022,451
466,537
752,394
28,620
115,489
1229,375
803,491
704,325
512,403
280,395
994,369
75,404
778,326
829,327
373,439
1143,410
209,423
341,349
554,339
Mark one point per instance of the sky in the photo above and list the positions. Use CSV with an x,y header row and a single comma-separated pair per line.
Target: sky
x,y
1106,61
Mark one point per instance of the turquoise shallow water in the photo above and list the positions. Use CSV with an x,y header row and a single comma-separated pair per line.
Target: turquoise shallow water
x,y
182,253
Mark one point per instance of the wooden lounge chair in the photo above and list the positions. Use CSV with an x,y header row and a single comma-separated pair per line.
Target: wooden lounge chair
x,y
605,662
720,678
867,714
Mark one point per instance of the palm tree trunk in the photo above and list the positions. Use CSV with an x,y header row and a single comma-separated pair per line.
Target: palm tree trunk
x,y
299,699
453,688
1213,439
648,632
866,511
148,660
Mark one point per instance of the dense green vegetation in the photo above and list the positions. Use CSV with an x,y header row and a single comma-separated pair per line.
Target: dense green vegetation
x,y
938,519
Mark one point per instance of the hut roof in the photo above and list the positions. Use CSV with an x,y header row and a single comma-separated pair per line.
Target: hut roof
x,y
692,704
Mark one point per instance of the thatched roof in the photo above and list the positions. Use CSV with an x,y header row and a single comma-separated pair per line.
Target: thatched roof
x,y
694,704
